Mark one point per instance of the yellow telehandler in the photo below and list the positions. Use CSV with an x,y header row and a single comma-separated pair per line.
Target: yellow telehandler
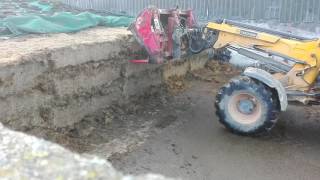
x,y
286,71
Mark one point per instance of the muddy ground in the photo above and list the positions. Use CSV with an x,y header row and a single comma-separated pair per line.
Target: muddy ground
x,y
189,142
173,130
120,129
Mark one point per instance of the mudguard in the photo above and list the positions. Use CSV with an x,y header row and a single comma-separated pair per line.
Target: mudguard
x,y
266,78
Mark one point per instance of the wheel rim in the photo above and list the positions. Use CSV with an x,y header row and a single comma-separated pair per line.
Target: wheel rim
x,y
245,108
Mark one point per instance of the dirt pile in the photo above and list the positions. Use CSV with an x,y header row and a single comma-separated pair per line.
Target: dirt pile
x,y
215,71
176,84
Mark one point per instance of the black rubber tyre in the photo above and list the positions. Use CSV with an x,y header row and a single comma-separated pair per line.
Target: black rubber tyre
x,y
247,107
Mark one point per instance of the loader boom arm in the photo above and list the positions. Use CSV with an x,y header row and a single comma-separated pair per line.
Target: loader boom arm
x,y
167,35
303,52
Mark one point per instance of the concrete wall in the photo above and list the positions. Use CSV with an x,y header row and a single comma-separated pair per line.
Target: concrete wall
x,y
26,157
55,81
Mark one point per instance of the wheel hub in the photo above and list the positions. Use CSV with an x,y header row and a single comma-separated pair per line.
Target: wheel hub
x,y
246,106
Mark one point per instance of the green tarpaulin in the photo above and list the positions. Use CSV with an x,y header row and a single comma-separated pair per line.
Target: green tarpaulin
x,y
59,23
40,17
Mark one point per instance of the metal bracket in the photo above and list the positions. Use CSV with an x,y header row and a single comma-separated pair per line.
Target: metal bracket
x,y
270,81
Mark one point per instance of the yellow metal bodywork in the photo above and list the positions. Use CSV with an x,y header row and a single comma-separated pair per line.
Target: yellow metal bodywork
x,y
306,51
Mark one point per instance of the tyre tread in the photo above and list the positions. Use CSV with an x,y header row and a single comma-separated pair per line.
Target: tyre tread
x,y
265,91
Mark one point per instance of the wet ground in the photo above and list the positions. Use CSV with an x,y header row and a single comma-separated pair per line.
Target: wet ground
x,y
174,131
190,143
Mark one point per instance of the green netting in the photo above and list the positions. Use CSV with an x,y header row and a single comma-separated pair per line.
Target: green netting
x,y
42,16
59,23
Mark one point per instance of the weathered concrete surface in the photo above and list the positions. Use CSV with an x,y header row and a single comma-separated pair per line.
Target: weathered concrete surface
x,y
55,81
26,157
